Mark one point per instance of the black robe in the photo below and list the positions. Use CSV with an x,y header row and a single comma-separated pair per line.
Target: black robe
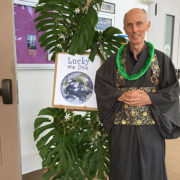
x,y
137,152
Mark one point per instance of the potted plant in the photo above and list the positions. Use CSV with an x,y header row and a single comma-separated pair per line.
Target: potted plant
x,y
71,145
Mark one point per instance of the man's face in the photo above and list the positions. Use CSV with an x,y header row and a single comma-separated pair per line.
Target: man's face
x,y
136,26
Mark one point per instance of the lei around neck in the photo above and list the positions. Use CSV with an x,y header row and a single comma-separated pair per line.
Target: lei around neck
x,y
142,70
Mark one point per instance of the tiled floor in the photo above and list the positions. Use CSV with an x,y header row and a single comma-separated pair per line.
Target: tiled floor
x,y
173,159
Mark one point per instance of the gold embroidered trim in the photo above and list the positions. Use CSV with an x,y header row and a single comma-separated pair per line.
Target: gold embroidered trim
x,y
134,115
155,71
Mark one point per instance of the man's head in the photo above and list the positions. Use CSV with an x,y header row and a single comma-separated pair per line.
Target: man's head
x,y
136,25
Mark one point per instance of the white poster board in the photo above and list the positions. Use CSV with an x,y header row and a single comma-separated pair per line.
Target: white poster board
x,y
74,82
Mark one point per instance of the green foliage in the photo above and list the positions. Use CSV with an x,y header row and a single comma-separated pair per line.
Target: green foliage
x,y
70,26
71,146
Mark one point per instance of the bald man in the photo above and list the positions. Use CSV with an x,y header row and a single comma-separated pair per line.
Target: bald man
x,y
138,102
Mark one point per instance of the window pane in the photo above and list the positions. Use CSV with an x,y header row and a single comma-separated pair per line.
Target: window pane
x,y
168,46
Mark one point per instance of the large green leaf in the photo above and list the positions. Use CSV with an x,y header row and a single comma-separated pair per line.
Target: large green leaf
x,y
110,31
89,33
93,52
50,7
45,138
46,148
68,152
73,46
47,28
51,45
48,111
47,15
45,22
39,130
48,40
92,17
47,34
82,43
39,121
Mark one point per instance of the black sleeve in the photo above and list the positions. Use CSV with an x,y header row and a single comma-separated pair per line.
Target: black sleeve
x,y
107,93
169,85
165,103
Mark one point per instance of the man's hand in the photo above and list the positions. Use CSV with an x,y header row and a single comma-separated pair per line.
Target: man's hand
x,y
135,98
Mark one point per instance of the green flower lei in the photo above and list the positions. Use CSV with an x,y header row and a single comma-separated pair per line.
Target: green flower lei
x,y
143,69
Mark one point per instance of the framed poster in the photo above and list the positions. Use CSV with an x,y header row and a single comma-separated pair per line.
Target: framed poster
x,y
28,51
108,7
104,21
74,82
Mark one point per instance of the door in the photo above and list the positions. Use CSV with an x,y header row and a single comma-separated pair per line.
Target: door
x,y
165,35
165,27
9,140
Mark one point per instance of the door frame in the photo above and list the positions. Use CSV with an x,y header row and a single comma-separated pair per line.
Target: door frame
x,y
9,126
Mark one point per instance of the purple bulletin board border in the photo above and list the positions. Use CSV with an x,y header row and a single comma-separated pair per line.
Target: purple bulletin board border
x,y
27,56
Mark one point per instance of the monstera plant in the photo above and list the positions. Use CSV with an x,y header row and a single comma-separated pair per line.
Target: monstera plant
x,y
70,26
72,146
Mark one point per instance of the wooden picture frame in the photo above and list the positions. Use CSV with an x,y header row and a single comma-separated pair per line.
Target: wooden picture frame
x,y
105,21
74,80
108,7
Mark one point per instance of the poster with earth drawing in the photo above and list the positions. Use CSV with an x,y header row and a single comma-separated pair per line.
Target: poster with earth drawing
x,y
74,82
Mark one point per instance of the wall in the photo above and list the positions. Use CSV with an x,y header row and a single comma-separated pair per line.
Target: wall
x,y
35,88
122,7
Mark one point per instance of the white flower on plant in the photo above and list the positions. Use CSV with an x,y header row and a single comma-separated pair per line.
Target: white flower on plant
x,y
77,11
88,114
58,19
93,139
104,147
59,46
98,133
67,117
68,21
95,150
61,36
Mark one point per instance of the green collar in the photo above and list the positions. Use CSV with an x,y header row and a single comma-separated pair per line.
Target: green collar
x,y
143,69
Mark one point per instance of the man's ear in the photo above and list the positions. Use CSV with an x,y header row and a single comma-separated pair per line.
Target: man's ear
x,y
148,25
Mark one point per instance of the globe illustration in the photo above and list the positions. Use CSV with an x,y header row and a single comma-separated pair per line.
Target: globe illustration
x,y
76,87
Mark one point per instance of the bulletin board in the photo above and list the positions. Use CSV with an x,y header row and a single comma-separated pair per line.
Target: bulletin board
x,y
28,50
